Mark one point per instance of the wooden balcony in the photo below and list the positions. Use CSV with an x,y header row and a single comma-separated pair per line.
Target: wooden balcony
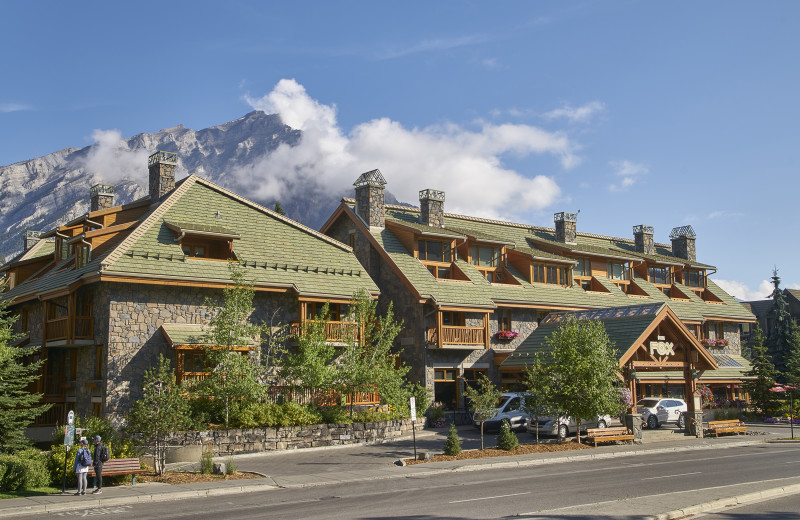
x,y
335,331
55,415
69,329
457,336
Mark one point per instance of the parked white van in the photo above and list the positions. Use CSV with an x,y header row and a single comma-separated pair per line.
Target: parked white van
x,y
509,410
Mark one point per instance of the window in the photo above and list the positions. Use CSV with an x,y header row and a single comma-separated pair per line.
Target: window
x,y
335,311
486,256
550,274
352,240
693,278
659,275
584,267
618,270
504,319
83,256
194,250
472,376
440,272
453,318
98,363
445,387
434,251
538,273
719,330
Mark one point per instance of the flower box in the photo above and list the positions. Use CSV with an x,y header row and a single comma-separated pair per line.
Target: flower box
x,y
506,335
714,342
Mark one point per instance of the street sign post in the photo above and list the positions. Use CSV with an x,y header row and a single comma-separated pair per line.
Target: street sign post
x,y
413,403
69,440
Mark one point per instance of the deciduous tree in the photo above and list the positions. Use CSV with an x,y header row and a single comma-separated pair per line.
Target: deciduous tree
x,y
484,396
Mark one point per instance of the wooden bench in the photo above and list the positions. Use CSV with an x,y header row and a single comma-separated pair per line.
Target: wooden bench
x,y
115,467
619,433
731,426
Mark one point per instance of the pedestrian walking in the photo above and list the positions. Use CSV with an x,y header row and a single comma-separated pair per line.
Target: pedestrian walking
x,y
83,459
100,456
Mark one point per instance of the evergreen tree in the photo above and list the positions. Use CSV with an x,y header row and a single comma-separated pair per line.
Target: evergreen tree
x,y
792,375
452,446
161,410
279,209
506,439
18,406
779,335
763,373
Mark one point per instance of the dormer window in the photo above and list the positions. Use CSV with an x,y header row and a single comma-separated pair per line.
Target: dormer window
x,y
82,255
434,251
659,275
618,270
485,256
693,278
202,242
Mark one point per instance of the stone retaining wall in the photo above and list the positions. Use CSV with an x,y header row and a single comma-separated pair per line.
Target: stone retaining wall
x,y
256,440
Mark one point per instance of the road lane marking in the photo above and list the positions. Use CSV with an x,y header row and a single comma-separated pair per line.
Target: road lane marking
x,y
490,498
670,476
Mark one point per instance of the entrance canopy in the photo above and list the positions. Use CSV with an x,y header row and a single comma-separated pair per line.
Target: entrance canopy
x,y
646,338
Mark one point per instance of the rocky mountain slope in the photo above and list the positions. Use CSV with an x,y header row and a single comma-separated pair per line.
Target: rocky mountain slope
x,y
41,193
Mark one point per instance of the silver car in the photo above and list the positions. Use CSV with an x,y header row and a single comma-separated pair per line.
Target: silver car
x,y
565,426
656,411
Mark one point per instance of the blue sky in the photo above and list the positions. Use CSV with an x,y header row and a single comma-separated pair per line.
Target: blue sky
x,y
662,114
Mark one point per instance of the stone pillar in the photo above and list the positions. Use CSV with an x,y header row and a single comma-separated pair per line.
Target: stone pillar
x,y
683,243
431,208
633,422
643,237
697,424
370,198
162,174
101,197
566,227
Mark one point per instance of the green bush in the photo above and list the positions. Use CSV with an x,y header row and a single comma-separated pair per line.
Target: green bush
x,y
452,446
371,415
507,440
207,461
335,415
298,415
255,415
24,470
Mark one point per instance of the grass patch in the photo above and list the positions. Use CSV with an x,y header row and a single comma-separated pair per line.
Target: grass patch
x,y
36,492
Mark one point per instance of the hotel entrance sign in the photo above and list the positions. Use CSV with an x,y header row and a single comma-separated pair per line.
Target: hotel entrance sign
x,y
662,347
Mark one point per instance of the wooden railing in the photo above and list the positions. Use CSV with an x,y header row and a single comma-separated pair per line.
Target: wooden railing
x,y
55,415
53,385
56,329
84,327
457,335
338,331
278,394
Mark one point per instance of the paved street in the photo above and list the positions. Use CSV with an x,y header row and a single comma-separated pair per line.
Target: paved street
x,y
624,487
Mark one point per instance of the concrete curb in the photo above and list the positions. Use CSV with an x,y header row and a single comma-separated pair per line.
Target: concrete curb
x,y
722,503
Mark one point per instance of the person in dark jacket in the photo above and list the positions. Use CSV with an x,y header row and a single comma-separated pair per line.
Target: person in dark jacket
x,y
97,462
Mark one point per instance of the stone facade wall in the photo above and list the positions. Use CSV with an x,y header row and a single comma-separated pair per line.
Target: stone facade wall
x,y
730,333
135,315
257,440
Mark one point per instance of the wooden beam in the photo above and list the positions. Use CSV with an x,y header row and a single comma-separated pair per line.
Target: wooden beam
x,y
665,364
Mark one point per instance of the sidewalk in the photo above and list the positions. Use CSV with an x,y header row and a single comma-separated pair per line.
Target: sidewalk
x,y
324,466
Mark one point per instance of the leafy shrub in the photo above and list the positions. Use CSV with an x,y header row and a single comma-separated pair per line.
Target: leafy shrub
x,y
435,411
24,470
507,440
255,415
371,415
452,446
298,415
335,415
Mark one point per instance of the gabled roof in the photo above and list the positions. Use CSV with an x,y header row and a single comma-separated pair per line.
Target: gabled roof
x,y
540,244
278,253
627,328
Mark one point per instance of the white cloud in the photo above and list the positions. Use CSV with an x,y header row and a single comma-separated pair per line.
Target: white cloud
x,y
741,291
110,160
434,45
466,164
630,173
724,214
13,107
581,114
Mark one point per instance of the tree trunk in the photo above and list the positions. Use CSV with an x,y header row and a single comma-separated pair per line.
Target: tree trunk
x,y
578,430
482,434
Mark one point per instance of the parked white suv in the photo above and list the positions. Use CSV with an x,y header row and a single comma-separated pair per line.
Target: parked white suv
x,y
510,409
565,426
657,411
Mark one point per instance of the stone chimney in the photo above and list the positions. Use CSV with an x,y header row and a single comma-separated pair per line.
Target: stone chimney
x,y
162,174
431,208
370,198
101,197
566,227
683,243
643,237
31,238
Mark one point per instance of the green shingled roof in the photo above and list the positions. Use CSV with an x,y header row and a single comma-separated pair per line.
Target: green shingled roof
x,y
179,334
278,252
538,242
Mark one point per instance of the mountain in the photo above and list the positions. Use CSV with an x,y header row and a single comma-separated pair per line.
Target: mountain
x,y
42,193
